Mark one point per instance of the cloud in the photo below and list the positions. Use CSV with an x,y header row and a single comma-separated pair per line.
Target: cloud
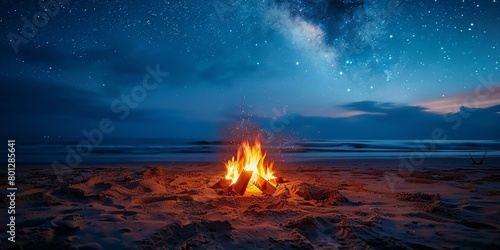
x,y
31,97
125,65
393,121
385,108
177,64
38,108
485,95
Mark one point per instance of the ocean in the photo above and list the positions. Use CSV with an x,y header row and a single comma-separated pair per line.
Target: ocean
x,y
110,150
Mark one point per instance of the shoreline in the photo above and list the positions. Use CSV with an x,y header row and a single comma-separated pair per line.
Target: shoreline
x,y
432,162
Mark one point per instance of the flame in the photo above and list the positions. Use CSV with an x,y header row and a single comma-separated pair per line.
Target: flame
x,y
249,158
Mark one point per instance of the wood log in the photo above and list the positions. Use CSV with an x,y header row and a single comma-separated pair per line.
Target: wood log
x,y
264,185
241,184
223,183
276,181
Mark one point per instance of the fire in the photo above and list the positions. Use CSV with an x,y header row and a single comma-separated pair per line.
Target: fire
x,y
249,158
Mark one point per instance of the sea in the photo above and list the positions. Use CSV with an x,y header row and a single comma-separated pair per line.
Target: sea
x,y
122,150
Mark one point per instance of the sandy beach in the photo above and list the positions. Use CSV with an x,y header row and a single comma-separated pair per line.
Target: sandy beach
x,y
337,204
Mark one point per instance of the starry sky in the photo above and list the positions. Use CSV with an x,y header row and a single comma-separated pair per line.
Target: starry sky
x,y
313,69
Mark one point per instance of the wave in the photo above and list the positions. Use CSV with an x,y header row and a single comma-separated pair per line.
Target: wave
x,y
170,150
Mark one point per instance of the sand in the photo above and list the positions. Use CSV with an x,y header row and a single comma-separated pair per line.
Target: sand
x,y
347,204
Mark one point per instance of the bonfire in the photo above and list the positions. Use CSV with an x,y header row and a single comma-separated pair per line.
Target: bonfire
x,y
249,167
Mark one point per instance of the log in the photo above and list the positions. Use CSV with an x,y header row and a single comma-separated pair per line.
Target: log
x,y
276,181
241,184
223,183
264,185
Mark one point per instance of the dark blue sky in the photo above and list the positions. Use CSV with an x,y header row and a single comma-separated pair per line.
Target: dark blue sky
x,y
311,69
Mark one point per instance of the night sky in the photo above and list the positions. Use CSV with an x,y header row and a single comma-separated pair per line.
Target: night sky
x,y
313,69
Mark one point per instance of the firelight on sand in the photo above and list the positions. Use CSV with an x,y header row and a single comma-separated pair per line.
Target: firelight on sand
x,y
249,158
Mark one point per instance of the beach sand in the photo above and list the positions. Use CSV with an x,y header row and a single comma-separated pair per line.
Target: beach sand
x,y
335,204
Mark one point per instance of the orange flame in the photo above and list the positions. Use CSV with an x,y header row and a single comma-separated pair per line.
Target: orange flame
x,y
249,158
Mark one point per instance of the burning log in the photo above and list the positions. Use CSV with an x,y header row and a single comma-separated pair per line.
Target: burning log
x,y
276,181
241,184
264,185
223,183
280,180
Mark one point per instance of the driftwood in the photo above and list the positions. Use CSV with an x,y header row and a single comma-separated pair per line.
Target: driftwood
x,y
478,162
